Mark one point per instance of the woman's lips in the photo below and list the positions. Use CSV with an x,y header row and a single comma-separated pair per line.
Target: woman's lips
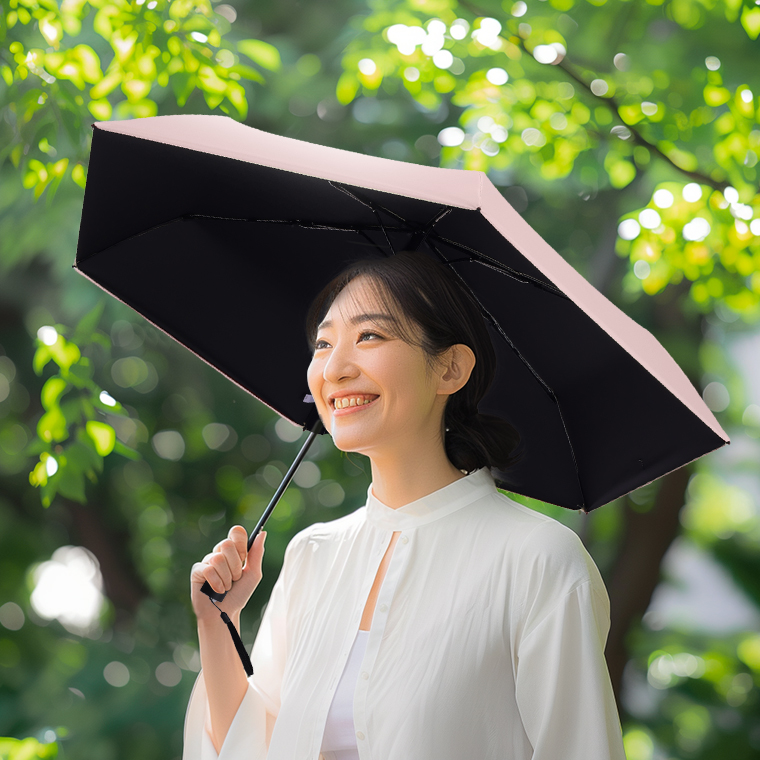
x,y
352,409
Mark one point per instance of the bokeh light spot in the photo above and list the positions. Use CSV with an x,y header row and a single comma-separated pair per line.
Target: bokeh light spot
x,y
629,229
497,76
116,674
68,587
451,136
691,192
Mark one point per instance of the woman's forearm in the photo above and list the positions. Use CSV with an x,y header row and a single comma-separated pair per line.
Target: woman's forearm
x,y
223,673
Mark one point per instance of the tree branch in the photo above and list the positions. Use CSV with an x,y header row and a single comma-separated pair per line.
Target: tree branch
x,y
613,106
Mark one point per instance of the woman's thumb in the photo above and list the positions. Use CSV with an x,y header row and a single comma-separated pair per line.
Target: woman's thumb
x,y
258,541
250,564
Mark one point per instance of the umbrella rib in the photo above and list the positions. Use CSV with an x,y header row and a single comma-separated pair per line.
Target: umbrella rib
x,y
385,232
423,232
372,242
486,260
535,374
420,233
360,228
294,222
368,203
372,206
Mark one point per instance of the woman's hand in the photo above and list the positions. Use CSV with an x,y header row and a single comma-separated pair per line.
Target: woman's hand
x,y
224,570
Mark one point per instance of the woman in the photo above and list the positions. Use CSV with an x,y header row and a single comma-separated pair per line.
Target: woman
x,y
440,621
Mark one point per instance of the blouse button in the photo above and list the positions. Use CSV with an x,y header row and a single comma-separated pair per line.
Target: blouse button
x,y
365,675
404,539
383,607
359,735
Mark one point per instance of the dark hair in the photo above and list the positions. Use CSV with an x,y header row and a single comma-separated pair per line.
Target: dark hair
x,y
425,299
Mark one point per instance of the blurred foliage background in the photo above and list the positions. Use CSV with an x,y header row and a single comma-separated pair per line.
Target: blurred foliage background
x,y
627,132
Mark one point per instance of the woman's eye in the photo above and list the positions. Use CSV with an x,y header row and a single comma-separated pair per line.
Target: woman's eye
x,y
319,344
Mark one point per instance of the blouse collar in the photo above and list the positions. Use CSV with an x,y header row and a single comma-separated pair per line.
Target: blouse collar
x,y
435,505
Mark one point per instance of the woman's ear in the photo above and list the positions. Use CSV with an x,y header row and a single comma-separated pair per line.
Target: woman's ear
x,y
456,368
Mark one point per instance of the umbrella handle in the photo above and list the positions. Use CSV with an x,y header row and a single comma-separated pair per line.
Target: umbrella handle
x,y
206,587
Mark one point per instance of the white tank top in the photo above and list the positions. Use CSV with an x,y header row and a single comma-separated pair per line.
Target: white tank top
x,y
339,740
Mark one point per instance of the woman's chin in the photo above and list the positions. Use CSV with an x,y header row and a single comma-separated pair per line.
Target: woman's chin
x,y
351,440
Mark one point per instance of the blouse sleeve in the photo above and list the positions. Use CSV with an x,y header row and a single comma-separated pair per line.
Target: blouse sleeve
x,y
563,687
247,735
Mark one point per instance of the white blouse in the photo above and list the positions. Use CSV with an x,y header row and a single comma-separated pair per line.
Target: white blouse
x,y
487,639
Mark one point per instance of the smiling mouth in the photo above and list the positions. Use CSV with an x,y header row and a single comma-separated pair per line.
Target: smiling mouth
x,y
351,409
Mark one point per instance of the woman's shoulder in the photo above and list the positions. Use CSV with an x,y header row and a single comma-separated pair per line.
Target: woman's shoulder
x,y
534,531
326,532
542,546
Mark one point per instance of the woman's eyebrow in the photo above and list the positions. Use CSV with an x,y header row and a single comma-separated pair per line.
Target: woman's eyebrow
x,y
360,318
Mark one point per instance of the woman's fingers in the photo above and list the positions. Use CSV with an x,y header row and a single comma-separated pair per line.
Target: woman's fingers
x,y
214,579
239,536
219,564
222,568
206,572
232,555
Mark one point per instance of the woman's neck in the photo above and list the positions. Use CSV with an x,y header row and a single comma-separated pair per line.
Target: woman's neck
x,y
409,480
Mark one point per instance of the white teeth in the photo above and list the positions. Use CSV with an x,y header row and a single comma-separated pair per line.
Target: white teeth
x,y
342,403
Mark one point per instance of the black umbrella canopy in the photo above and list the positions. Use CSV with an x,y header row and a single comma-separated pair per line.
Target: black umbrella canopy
x,y
225,253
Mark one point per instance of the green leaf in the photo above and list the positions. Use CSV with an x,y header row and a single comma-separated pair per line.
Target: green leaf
x,y
631,113
751,22
26,749
732,9
101,340
71,484
117,409
72,410
126,451
78,174
103,435
83,457
34,448
88,324
183,84
52,391
52,426
64,353
247,72
47,493
41,357
620,171
38,476
716,96
347,87
80,374
90,63
236,96
210,81
266,55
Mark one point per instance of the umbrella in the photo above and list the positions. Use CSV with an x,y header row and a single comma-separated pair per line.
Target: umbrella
x,y
209,228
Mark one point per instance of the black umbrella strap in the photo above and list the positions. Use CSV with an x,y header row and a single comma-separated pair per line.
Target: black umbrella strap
x,y
236,640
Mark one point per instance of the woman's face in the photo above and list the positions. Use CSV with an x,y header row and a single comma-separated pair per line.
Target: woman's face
x,y
353,357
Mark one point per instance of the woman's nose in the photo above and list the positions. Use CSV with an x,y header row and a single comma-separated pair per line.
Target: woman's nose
x,y
340,364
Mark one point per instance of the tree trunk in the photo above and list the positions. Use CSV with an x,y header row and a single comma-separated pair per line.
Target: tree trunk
x,y
646,538
122,584
647,535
